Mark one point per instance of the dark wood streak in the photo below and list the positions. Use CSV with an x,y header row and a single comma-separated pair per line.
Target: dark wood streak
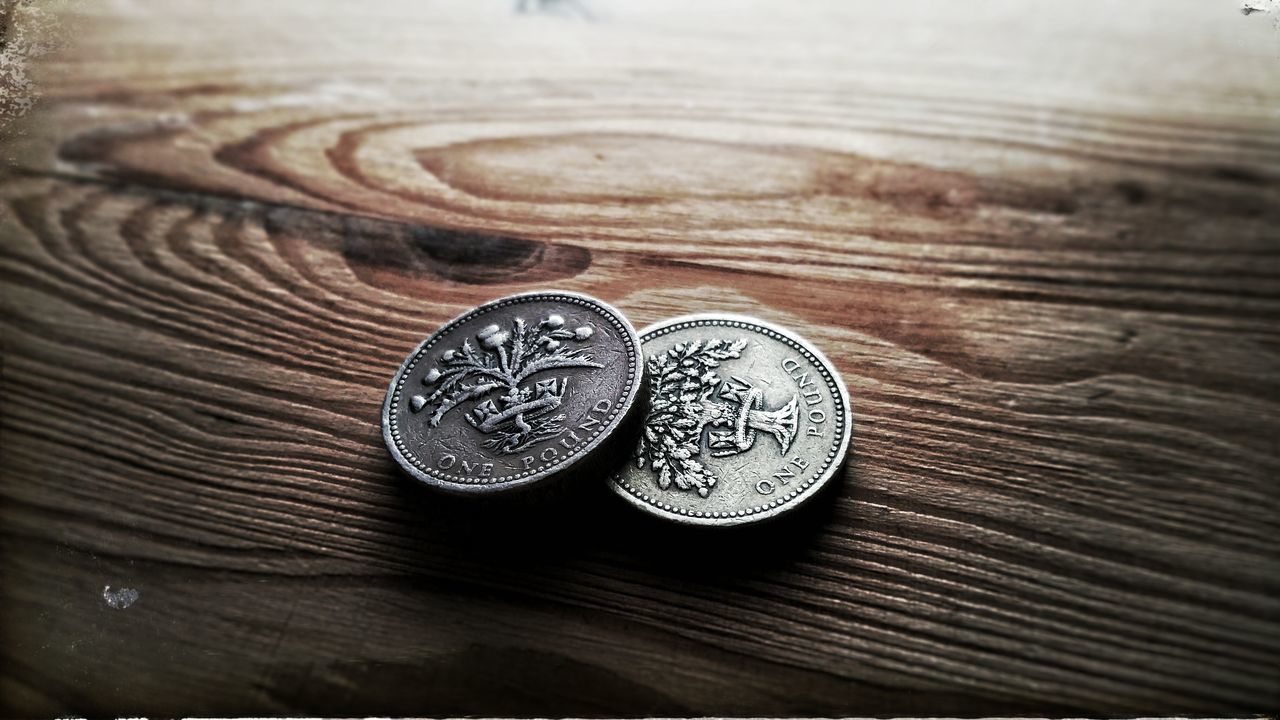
x,y
928,194
376,247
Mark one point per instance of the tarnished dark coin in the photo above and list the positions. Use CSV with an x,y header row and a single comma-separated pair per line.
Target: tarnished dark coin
x,y
517,392
746,421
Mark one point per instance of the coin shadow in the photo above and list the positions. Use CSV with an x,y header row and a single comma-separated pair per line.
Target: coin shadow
x,y
700,552
583,519
587,520
540,527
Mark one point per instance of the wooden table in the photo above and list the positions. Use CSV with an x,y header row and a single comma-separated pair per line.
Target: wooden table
x,y
1041,243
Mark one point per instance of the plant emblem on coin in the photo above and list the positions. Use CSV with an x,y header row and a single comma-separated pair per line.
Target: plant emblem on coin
x,y
747,421
495,377
688,395
523,392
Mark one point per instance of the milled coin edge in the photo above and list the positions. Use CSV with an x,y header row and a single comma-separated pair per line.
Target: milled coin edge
x,y
390,434
838,455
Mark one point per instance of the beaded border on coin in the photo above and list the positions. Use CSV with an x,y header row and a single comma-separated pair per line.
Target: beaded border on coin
x,y
833,461
564,463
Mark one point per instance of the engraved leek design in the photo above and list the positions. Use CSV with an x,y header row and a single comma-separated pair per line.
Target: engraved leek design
x,y
681,383
515,416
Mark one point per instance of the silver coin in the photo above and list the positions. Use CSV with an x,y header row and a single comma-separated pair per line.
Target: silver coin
x,y
517,392
746,421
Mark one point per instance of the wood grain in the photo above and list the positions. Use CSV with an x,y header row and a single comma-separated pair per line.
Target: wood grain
x,y
1041,247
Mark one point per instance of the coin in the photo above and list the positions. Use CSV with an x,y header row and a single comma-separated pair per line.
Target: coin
x,y
746,421
518,392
